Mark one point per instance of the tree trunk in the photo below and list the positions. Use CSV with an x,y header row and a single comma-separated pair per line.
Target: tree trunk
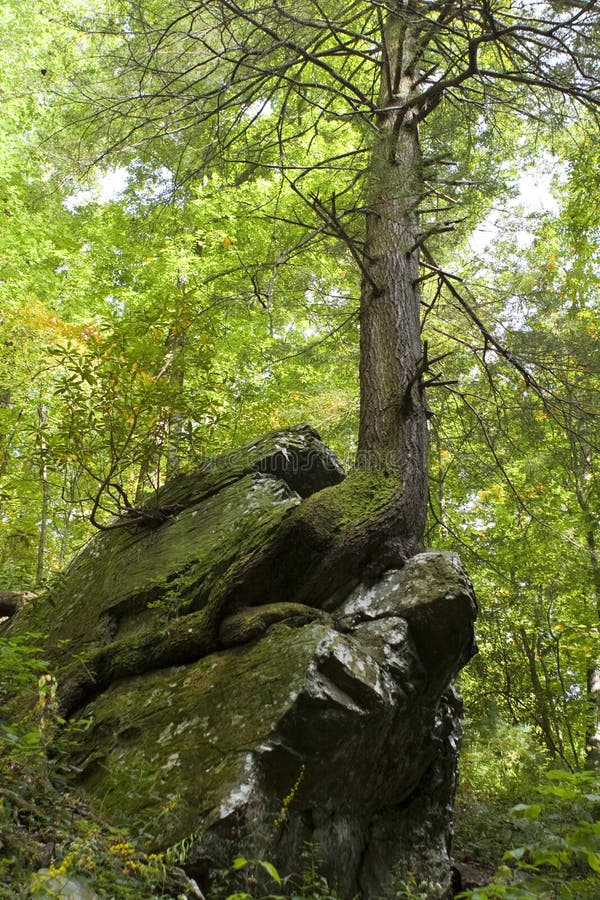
x,y
175,344
393,414
542,713
592,741
69,494
45,507
583,474
375,519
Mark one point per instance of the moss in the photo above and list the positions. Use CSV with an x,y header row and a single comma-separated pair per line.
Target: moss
x,y
126,583
251,622
366,495
358,499
146,735
184,640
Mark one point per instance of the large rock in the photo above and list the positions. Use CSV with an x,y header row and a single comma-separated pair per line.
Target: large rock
x,y
222,723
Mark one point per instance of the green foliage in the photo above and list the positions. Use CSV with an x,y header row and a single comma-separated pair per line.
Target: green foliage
x,y
559,849
108,864
499,760
253,877
41,824
24,739
499,763
515,476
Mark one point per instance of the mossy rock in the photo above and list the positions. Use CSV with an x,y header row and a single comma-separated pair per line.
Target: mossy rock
x,y
248,679
139,598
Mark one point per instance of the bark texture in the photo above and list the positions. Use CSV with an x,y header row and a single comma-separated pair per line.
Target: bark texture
x,y
393,415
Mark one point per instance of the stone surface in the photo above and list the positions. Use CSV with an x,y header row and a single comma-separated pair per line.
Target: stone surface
x,y
218,728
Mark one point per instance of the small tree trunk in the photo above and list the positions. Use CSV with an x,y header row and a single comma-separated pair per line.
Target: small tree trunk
x,y
583,473
441,482
69,492
542,713
592,760
43,449
175,346
175,426
592,738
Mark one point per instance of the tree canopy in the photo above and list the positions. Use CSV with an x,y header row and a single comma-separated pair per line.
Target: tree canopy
x,y
245,89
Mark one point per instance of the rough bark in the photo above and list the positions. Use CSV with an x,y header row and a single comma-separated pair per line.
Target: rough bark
x,y
393,415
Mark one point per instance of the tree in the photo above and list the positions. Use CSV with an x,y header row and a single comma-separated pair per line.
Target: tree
x,y
252,86
36,236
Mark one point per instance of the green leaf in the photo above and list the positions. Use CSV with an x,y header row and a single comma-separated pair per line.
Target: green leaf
x,y
549,857
239,862
558,775
272,871
593,860
527,810
563,791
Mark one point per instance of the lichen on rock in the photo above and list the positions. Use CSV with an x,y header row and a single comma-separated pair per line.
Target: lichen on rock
x,y
224,699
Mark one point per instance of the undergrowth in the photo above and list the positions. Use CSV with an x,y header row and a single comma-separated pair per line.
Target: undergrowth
x,y
525,828
47,835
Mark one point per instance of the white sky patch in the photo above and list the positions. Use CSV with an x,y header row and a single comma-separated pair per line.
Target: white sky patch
x,y
535,193
78,199
259,108
111,186
535,198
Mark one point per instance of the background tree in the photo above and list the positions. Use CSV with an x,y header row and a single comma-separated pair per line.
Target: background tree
x,y
528,530
36,236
